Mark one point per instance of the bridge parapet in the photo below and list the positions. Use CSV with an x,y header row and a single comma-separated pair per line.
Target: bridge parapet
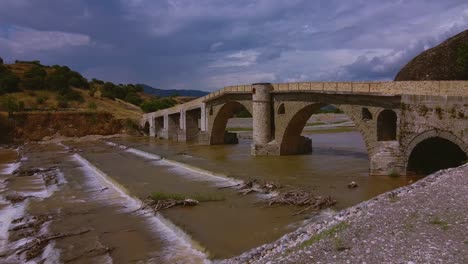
x,y
432,88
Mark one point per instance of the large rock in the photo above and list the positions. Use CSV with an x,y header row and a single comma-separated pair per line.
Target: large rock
x,y
438,63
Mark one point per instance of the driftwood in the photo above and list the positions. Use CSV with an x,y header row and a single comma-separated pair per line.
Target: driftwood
x,y
252,186
167,203
35,247
302,198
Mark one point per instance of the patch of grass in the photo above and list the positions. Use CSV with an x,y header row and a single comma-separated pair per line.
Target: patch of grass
x,y
394,174
332,231
436,221
340,245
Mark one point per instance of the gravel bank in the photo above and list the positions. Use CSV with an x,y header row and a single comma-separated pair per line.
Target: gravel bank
x,y
426,222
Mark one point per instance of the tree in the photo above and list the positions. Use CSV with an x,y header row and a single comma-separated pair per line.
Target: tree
x,y
1,61
10,105
8,80
35,78
157,104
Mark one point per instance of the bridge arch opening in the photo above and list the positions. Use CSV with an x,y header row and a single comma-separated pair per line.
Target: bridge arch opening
x,y
281,110
314,119
433,154
224,133
387,125
146,128
366,114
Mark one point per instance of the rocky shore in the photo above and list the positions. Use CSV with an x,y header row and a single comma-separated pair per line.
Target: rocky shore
x,y
426,222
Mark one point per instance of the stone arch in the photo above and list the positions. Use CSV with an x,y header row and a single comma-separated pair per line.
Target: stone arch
x,y
292,142
218,133
281,109
387,125
290,139
434,150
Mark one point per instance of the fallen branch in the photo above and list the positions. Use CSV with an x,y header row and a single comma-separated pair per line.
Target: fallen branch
x,y
158,205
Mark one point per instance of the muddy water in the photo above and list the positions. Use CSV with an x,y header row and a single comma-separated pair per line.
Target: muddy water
x,y
223,228
229,227
101,181
337,159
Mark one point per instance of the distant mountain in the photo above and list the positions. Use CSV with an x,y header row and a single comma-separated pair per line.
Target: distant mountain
x,y
172,92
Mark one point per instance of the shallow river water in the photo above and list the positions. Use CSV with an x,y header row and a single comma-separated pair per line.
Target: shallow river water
x,y
123,169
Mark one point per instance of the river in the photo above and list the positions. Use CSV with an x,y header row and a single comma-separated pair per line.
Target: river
x,y
103,180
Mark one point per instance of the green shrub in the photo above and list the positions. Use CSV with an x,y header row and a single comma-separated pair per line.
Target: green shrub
x,y
8,81
92,106
10,104
157,104
62,103
41,99
34,79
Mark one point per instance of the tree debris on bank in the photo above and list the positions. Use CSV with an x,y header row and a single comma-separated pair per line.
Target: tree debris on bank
x,y
302,198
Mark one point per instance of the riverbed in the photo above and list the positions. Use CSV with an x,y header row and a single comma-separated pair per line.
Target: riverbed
x,y
104,182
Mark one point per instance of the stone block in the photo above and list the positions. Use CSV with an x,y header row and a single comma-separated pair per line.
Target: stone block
x,y
329,86
454,88
304,86
283,87
344,87
293,86
361,87
316,86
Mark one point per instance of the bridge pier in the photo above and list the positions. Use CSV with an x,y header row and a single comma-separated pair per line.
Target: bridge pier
x,y
263,121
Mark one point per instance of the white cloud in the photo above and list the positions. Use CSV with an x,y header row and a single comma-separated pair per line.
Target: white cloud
x,y
216,45
20,40
241,58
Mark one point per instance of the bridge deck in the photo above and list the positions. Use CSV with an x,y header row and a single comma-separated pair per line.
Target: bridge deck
x,y
429,88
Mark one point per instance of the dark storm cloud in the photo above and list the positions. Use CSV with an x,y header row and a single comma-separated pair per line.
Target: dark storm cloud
x,y
205,44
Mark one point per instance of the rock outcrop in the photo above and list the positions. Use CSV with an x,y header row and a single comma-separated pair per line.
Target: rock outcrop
x,y
438,63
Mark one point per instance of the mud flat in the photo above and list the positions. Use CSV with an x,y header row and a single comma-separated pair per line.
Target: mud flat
x,y
58,208
426,222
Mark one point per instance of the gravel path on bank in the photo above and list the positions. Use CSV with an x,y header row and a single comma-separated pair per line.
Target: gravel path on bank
x,y
426,222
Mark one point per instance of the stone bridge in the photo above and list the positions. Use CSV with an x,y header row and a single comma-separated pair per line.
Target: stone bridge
x,y
407,127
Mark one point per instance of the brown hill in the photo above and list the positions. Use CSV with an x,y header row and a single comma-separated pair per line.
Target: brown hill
x,y
447,61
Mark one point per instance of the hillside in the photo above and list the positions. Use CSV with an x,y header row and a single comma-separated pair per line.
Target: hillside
x,y
447,61
32,87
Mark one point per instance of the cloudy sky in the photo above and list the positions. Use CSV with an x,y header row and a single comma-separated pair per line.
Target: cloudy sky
x,y
208,44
